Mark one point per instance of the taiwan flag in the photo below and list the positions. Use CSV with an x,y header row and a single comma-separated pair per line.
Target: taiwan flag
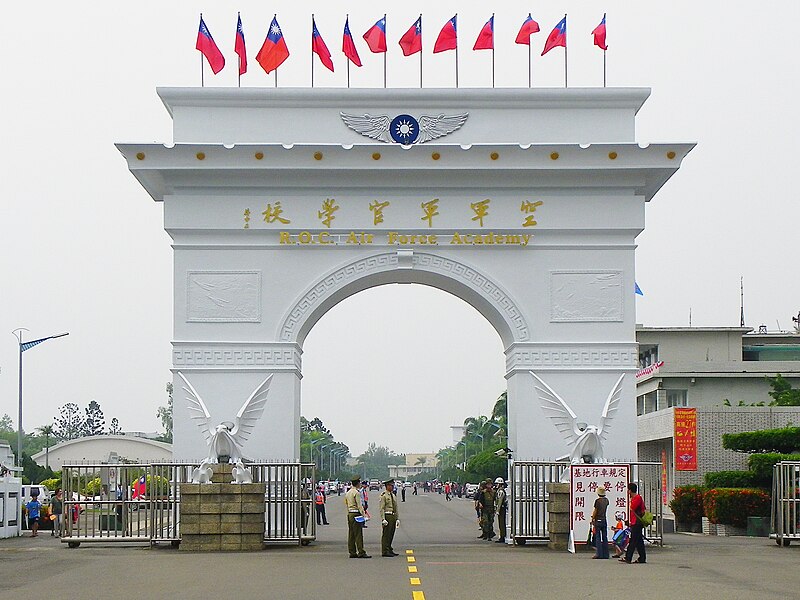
x,y
485,39
376,36
239,47
349,46
139,488
209,48
557,37
599,34
274,51
411,42
448,37
318,46
529,27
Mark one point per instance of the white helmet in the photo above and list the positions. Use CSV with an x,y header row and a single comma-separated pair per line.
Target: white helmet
x,y
500,480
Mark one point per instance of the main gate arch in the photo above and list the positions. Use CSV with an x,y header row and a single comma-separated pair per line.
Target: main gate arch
x,y
278,209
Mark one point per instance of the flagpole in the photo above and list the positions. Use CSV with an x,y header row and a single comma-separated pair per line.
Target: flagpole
x,y
565,52
420,50
604,56
202,73
385,52
312,50
530,67
456,18
492,50
347,58
239,15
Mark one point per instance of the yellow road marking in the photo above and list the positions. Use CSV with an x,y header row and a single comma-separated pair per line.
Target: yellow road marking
x,y
418,595
412,569
414,580
411,559
409,552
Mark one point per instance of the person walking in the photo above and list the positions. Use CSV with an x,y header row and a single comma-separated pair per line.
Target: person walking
x,y
501,505
319,506
447,491
403,492
33,507
389,518
600,522
414,493
365,499
355,528
637,529
57,506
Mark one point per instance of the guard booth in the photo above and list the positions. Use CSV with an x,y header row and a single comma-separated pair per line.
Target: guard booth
x,y
785,515
10,506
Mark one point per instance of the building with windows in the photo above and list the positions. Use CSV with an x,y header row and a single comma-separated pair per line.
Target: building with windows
x,y
415,464
721,373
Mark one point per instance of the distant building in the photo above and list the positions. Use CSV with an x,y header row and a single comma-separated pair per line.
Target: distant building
x,y
97,449
415,464
702,368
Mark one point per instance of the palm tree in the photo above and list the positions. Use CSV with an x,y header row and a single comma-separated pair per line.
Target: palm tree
x,y
46,431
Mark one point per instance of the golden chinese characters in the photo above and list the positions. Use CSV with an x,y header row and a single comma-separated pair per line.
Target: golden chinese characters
x,y
272,214
326,215
377,211
529,208
430,210
481,210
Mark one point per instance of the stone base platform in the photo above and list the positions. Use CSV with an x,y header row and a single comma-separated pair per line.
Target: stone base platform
x,y
222,516
558,521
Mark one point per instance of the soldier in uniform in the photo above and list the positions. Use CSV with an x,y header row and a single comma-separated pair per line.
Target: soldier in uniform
x,y
355,529
389,518
486,503
501,505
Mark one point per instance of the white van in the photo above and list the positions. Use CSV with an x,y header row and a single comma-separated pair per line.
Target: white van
x,y
41,491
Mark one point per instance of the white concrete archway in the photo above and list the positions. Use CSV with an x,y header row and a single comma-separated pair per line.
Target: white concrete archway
x,y
529,212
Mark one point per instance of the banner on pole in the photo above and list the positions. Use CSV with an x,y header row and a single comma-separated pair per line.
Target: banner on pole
x,y
686,439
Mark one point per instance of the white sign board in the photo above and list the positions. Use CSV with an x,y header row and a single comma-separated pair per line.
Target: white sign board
x,y
584,483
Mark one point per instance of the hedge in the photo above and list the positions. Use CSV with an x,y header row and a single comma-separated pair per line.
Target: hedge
x,y
731,479
732,506
687,503
761,466
784,440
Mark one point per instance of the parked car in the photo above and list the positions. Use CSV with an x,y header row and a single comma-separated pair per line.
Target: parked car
x,y
470,489
374,484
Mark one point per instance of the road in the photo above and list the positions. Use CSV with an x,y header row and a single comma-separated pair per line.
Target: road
x,y
440,537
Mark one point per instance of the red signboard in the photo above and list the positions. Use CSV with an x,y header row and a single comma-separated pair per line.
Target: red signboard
x,y
663,477
686,439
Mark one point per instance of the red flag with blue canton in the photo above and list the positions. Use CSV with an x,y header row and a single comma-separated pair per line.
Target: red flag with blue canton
x,y
318,46
599,34
557,37
376,36
209,48
529,27
139,488
349,46
448,37
411,42
485,39
274,51
239,47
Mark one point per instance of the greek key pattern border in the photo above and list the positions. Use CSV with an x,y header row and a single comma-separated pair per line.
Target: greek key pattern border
x,y
572,357
236,356
384,262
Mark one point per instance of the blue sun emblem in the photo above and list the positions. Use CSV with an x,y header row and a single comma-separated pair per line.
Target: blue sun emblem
x,y
404,129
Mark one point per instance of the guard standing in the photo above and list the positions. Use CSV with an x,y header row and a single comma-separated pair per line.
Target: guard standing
x,y
486,504
389,518
355,529
319,506
501,505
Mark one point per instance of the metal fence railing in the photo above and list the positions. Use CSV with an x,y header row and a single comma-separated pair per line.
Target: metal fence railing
x,y
785,514
529,497
140,503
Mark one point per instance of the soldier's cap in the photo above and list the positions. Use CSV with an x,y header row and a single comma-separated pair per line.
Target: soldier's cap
x,y
389,482
355,480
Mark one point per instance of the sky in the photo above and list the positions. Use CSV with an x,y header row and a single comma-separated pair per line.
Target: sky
x,y
83,250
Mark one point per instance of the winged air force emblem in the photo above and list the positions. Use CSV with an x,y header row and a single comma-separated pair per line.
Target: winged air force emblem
x,y
404,129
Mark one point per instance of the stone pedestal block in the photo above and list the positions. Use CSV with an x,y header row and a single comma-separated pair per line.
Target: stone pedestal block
x,y
558,515
222,516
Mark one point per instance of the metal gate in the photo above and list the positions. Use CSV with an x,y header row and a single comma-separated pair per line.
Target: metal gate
x,y
785,516
529,497
140,503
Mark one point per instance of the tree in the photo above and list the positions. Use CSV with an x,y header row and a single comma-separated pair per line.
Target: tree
x,y
6,425
165,414
94,423
782,392
46,431
115,429
69,423
374,462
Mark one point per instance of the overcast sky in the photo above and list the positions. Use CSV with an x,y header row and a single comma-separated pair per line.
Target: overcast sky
x,y
82,246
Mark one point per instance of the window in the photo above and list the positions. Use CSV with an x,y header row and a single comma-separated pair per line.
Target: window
x,y
676,398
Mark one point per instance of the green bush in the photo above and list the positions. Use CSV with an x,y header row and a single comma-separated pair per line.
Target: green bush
x,y
93,487
761,466
687,503
52,484
784,440
731,479
732,506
